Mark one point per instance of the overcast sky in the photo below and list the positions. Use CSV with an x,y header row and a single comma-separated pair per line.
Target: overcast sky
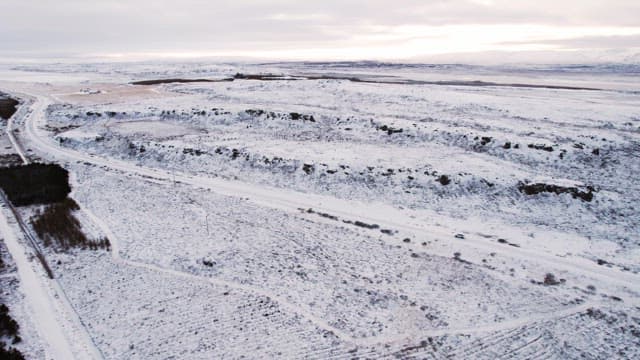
x,y
317,30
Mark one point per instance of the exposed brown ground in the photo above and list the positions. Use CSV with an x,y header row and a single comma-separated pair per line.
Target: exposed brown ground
x,y
111,93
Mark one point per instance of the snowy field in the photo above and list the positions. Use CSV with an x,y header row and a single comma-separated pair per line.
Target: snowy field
x,y
337,210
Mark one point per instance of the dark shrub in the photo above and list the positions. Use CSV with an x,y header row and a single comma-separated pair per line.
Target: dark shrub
x,y
444,180
9,353
8,326
550,280
485,140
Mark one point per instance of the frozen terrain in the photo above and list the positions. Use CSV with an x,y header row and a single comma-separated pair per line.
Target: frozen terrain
x,y
331,210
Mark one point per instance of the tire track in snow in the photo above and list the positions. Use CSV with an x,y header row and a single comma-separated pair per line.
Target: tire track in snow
x,y
505,325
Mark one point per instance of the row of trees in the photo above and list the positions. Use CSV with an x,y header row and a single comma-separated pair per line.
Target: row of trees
x,y
35,184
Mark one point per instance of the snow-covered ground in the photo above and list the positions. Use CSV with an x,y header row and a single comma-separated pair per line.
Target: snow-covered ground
x,y
329,217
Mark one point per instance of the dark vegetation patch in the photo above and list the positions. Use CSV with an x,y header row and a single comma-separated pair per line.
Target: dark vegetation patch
x,y
276,115
365,225
264,77
9,353
60,129
324,215
444,180
457,257
169,81
136,149
259,112
362,224
414,348
281,77
602,262
308,168
35,184
7,160
180,114
504,241
297,116
576,193
209,263
549,280
189,151
389,130
596,314
58,227
9,329
8,107
477,83
356,223
541,147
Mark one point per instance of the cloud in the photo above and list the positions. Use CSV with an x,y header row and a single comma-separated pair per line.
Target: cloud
x,y
590,42
331,28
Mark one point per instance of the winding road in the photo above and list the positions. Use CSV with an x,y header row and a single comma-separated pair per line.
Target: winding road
x,y
59,325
